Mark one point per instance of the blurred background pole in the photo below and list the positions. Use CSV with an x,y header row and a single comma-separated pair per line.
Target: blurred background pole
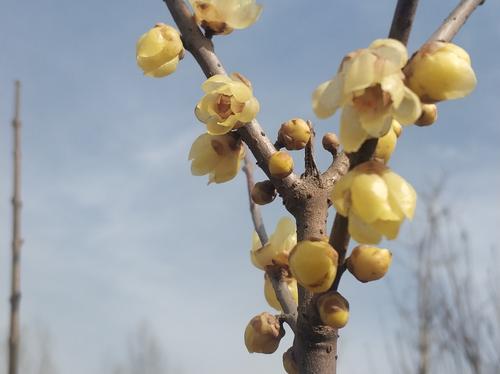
x,y
16,240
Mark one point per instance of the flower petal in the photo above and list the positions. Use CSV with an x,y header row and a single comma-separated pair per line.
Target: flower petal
x,y
409,110
214,128
361,231
392,50
340,195
361,72
240,91
327,97
402,192
244,16
390,229
352,134
250,110
215,82
369,196
164,70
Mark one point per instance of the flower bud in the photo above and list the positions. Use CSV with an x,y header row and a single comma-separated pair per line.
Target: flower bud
x,y
263,334
333,309
368,263
294,134
386,145
314,265
289,363
159,50
270,295
263,192
280,164
330,142
397,128
440,71
429,115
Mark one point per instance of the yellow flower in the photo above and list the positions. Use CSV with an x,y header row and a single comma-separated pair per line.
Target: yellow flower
x,y
228,103
376,201
370,88
263,334
314,265
218,156
440,71
333,309
270,295
222,16
276,251
158,51
369,263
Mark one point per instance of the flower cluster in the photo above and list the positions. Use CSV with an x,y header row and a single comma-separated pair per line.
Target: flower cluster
x,y
376,201
371,91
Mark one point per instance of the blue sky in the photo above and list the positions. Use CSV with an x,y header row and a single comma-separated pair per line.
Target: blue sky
x,y
116,229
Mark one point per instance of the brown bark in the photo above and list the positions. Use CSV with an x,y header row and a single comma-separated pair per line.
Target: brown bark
x,y
16,242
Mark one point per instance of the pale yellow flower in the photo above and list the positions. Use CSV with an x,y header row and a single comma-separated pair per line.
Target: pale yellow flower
x,y
440,71
370,88
219,156
270,295
228,103
223,16
376,201
158,51
276,251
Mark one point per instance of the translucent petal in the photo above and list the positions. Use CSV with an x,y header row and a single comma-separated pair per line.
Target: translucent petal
x,y
284,229
164,70
240,91
327,97
256,243
402,192
202,111
340,196
352,134
369,196
392,50
376,124
215,82
202,155
361,72
226,169
393,84
409,110
244,16
213,127
361,231
390,229
250,110
157,47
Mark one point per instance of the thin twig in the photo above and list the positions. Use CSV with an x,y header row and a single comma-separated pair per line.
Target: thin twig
x,y
257,220
402,20
15,297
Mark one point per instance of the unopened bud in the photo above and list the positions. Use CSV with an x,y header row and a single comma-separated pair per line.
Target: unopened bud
x,y
386,144
289,363
333,309
294,134
314,265
330,142
280,164
440,71
263,334
263,192
369,263
397,128
270,295
429,115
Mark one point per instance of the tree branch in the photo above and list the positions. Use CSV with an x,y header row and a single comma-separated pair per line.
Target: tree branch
x,y
203,51
402,20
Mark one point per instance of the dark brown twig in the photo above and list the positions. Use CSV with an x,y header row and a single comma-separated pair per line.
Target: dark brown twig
x,y
402,21
15,297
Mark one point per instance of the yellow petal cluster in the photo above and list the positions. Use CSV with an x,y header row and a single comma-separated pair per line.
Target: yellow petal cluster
x,y
314,265
440,71
228,103
369,263
158,51
270,295
375,199
223,16
263,334
371,91
333,309
219,156
277,250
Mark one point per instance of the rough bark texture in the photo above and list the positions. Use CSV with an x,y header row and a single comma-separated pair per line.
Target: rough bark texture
x,y
16,242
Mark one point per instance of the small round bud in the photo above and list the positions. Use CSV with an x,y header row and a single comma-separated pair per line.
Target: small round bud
x,y
270,295
369,263
280,164
263,334
333,309
314,265
263,192
289,363
330,142
294,134
440,71
429,115
386,144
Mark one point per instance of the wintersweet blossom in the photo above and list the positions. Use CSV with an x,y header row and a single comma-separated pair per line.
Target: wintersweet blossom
x,y
277,249
158,51
376,201
219,156
223,16
440,71
369,87
228,103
